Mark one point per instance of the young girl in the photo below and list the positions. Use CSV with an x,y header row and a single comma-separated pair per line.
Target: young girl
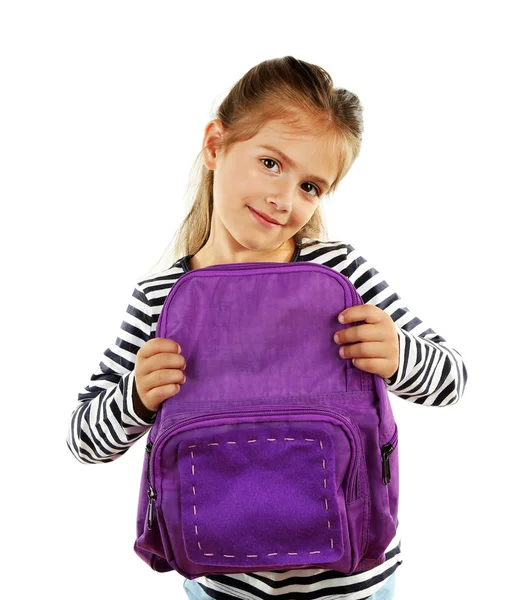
x,y
283,139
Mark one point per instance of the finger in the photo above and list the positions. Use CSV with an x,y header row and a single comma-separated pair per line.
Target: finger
x,y
161,360
370,350
163,377
363,312
377,366
359,333
159,345
160,394
165,360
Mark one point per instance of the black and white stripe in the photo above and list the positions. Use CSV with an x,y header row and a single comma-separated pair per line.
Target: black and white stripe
x,y
104,424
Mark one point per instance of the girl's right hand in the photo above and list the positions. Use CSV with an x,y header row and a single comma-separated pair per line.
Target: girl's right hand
x,y
158,371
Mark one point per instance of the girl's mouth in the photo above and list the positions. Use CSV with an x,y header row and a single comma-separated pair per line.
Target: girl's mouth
x,y
262,220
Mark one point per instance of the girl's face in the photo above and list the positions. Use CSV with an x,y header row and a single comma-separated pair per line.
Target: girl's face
x,y
253,177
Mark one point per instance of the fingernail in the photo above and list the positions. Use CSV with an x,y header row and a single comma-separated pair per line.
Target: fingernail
x,y
341,319
336,338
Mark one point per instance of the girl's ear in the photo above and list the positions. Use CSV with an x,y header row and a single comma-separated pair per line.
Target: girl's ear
x,y
214,130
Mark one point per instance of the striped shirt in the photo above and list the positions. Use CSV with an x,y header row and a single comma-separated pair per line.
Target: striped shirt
x,y
104,423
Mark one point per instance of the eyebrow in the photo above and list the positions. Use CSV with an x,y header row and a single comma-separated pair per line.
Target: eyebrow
x,y
293,164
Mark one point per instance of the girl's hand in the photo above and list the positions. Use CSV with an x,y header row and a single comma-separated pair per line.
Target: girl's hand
x,y
158,372
373,346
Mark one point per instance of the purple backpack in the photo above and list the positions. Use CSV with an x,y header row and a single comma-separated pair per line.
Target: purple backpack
x,y
276,453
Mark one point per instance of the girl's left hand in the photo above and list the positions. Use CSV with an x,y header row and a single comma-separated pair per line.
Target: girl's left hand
x,y
373,346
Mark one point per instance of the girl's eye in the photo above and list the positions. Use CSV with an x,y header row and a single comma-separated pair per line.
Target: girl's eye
x,y
318,191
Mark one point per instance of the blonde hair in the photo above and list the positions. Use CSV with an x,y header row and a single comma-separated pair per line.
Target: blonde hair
x,y
290,90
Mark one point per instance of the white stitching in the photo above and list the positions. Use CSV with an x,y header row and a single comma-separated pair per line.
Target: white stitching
x,y
250,442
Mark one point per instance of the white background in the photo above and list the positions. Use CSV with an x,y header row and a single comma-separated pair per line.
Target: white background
x,y
103,108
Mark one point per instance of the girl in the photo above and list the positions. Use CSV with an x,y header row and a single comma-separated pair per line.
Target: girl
x,y
283,139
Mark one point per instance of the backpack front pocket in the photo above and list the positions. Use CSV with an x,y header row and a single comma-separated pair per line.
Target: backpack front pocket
x,y
257,491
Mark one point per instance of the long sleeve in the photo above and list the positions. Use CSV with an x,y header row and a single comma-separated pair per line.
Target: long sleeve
x,y
430,371
104,424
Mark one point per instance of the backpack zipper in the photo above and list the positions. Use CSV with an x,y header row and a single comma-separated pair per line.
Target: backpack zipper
x,y
353,472
152,494
386,450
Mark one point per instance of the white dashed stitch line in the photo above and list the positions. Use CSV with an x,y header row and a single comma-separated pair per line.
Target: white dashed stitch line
x,y
251,442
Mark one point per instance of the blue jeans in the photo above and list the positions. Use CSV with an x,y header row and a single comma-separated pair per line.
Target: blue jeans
x,y
195,592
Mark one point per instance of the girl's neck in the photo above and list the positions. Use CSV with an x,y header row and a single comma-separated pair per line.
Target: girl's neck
x,y
203,257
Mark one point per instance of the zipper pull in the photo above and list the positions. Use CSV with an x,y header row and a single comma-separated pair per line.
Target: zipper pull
x,y
152,495
385,453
